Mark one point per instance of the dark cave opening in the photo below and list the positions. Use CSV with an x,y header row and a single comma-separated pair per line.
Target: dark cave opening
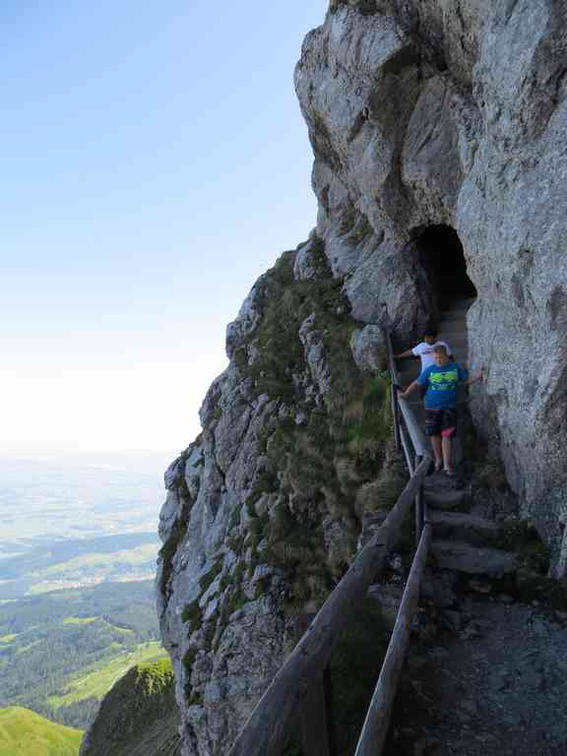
x,y
441,256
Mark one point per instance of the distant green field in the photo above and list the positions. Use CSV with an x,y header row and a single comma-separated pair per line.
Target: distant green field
x,y
103,563
97,680
72,645
25,733
78,620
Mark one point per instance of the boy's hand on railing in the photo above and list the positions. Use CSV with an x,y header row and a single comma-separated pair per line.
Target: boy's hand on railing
x,y
476,377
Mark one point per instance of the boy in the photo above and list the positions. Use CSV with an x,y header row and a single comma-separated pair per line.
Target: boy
x,y
441,381
425,348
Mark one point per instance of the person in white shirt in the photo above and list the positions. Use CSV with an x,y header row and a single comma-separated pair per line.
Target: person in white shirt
x,y
424,350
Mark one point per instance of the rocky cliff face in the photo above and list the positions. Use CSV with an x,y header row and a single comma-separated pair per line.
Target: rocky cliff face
x,y
437,131
264,510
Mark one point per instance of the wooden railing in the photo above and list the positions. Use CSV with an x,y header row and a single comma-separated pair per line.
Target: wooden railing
x,y
296,699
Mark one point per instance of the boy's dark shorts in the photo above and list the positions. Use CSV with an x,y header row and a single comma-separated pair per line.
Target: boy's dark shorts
x,y
440,422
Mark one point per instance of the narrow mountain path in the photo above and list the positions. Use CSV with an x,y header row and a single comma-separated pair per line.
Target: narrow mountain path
x,y
493,682
486,672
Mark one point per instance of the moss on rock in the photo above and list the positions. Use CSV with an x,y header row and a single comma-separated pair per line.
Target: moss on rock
x,y
138,715
323,446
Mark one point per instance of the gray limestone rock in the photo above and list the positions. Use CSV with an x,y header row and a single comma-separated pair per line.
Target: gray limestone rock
x,y
432,113
368,349
312,341
422,114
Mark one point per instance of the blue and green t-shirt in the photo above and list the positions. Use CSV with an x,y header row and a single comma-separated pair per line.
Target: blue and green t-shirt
x,y
442,384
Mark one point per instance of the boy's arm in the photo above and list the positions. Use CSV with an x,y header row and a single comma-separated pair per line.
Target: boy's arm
x,y
478,376
410,389
421,380
407,353
447,346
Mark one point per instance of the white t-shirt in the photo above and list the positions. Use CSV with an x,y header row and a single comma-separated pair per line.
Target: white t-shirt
x,y
425,352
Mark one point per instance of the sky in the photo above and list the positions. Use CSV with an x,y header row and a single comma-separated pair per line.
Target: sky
x,y
154,164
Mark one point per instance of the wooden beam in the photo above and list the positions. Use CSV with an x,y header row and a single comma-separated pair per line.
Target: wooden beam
x,y
390,357
420,445
418,510
314,720
266,730
395,418
405,446
377,721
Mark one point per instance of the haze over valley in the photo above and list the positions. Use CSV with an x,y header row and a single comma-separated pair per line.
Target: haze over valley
x,y
78,547
66,523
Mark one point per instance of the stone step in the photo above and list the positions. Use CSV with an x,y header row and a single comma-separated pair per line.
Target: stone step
x,y
458,340
459,346
407,376
459,526
441,498
389,597
449,327
462,557
453,314
458,304
459,349
461,356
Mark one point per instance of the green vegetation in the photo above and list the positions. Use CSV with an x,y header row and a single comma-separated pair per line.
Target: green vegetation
x,y
490,474
208,579
178,531
301,516
354,669
314,467
382,493
523,538
136,561
192,615
354,225
96,681
78,620
25,733
53,641
188,661
52,565
520,536
138,716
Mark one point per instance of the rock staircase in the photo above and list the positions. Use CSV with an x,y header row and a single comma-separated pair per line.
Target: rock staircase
x,y
486,671
461,542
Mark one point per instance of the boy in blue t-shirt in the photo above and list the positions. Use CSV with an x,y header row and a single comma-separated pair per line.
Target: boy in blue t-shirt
x,y
442,381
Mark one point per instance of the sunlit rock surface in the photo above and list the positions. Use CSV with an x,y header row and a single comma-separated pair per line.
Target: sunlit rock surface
x,y
421,114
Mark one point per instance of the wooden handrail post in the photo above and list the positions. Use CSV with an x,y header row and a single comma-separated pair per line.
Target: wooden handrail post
x,y
419,514
377,721
315,722
406,449
395,417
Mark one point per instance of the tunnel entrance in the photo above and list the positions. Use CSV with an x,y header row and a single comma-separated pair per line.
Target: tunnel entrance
x,y
440,253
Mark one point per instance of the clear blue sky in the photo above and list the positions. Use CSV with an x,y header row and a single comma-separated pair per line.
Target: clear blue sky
x,y
154,163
